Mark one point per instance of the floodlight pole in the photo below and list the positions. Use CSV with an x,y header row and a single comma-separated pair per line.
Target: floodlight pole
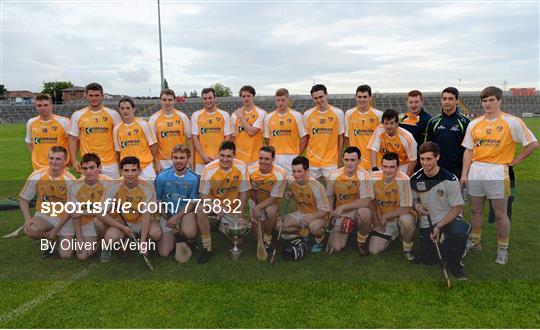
x,y
160,48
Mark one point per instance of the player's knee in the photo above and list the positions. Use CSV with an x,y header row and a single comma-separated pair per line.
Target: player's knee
x,y
363,216
406,222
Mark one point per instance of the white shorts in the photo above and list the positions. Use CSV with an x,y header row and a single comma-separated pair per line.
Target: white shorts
x,y
66,230
89,229
391,230
165,163
199,168
491,180
163,225
136,227
111,170
285,161
317,172
148,173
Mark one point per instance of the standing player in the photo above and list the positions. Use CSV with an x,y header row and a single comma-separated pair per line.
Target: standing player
x,y
447,129
133,137
209,127
389,137
360,123
268,183
178,185
51,185
416,119
490,143
170,127
224,182
93,128
436,192
349,192
44,131
393,201
247,123
313,207
325,125
130,188
285,130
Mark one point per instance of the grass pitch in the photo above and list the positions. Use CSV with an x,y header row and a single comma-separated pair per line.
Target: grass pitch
x,y
343,290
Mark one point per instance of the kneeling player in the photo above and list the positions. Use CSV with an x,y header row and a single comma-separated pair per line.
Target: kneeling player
x,y
224,186
50,184
178,186
312,204
135,190
349,190
268,185
392,210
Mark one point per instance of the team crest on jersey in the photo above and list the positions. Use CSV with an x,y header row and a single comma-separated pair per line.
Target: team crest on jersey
x,y
330,119
281,122
105,119
322,121
186,186
169,124
371,120
209,121
488,131
177,122
44,130
440,192
396,145
236,177
54,128
218,119
289,121
421,186
227,180
499,128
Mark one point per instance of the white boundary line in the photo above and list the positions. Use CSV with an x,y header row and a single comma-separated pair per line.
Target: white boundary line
x,y
6,317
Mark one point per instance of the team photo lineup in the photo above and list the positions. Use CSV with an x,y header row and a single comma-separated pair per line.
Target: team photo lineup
x,y
107,182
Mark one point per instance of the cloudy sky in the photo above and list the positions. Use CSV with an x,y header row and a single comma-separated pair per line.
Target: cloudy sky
x,y
393,46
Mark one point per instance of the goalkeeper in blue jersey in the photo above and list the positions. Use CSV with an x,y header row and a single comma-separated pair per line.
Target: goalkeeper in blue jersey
x,y
177,187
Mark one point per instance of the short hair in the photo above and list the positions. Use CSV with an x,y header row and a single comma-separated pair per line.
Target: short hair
x,y
415,93
301,160
167,91
429,146
391,156
182,148
363,89
390,114
491,91
282,92
208,90
61,149
451,90
128,100
43,97
91,157
94,87
247,88
130,160
269,149
227,145
318,87
353,149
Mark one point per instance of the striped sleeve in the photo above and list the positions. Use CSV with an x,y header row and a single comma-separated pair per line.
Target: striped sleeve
x,y
28,138
29,190
409,143
150,136
279,187
405,192
468,141
375,140
320,196
187,124
266,129
520,132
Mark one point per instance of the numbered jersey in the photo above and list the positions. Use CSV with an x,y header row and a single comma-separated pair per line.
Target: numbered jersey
x,y
169,131
43,135
324,128
142,193
95,132
135,139
402,143
47,189
348,189
310,197
224,185
211,129
359,127
393,195
267,184
247,147
82,192
284,131
494,141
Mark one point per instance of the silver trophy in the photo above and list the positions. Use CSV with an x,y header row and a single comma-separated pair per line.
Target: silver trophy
x,y
235,228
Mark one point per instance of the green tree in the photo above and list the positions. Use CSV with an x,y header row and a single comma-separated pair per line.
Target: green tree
x,y
193,94
222,90
54,89
165,84
185,94
3,91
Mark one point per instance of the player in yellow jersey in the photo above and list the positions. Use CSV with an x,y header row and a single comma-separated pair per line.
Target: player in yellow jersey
x,y
360,123
490,142
171,127
209,127
51,185
247,123
285,130
223,187
326,126
130,188
268,182
133,137
349,192
44,131
91,128
389,137
313,207
392,207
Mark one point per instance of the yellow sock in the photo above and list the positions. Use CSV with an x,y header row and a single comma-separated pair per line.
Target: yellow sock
x,y
502,243
476,235
360,238
267,238
206,242
407,246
